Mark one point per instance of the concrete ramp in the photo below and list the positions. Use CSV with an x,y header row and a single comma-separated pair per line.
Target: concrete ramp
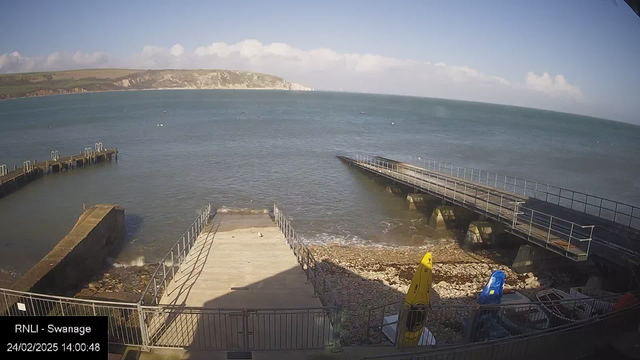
x,y
240,261
249,290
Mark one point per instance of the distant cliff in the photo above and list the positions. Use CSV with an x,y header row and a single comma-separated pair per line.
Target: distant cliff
x,y
76,81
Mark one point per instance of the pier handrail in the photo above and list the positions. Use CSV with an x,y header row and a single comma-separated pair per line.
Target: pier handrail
x,y
618,212
627,244
166,269
307,261
498,204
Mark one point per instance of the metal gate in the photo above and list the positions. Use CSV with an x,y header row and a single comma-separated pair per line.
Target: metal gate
x,y
242,329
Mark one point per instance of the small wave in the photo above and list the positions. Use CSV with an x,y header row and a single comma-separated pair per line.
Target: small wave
x,y
356,241
387,226
137,262
246,211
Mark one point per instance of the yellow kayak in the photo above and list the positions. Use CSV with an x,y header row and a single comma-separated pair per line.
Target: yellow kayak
x,y
418,295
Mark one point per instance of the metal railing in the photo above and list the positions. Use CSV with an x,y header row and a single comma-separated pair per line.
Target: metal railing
x,y
27,166
172,326
171,262
124,318
242,329
310,266
572,340
612,210
460,324
556,234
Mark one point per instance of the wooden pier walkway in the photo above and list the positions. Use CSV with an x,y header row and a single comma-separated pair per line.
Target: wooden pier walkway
x,y
11,181
575,235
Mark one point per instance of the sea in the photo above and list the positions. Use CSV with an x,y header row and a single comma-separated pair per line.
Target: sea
x,y
251,149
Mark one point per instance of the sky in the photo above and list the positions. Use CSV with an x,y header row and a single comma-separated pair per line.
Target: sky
x,y
577,56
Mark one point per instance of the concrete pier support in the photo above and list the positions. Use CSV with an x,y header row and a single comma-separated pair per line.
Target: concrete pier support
x,y
417,201
441,216
482,232
528,259
395,189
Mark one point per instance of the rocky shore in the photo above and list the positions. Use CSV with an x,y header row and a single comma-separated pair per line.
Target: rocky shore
x,y
367,277
119,283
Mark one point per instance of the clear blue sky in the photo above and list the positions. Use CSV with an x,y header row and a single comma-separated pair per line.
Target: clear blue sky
x,y
594,44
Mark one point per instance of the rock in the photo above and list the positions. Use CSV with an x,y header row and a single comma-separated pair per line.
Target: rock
x,y
260,234
530,274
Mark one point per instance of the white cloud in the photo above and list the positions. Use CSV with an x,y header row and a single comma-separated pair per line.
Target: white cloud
x,y
553,86
177,50
326,69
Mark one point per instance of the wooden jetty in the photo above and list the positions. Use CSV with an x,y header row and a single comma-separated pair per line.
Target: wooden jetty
x,y
13,180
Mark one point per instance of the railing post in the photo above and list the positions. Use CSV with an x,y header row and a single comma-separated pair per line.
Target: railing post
x,y
464,198
155,291
515,213
173,265
455,189
572,195
570,234
337,329
590,238
308,262
400,328
184,249
245,330
486,210
143,328
549,232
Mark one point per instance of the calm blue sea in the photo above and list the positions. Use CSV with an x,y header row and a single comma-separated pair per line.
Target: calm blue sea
x,y
254,148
